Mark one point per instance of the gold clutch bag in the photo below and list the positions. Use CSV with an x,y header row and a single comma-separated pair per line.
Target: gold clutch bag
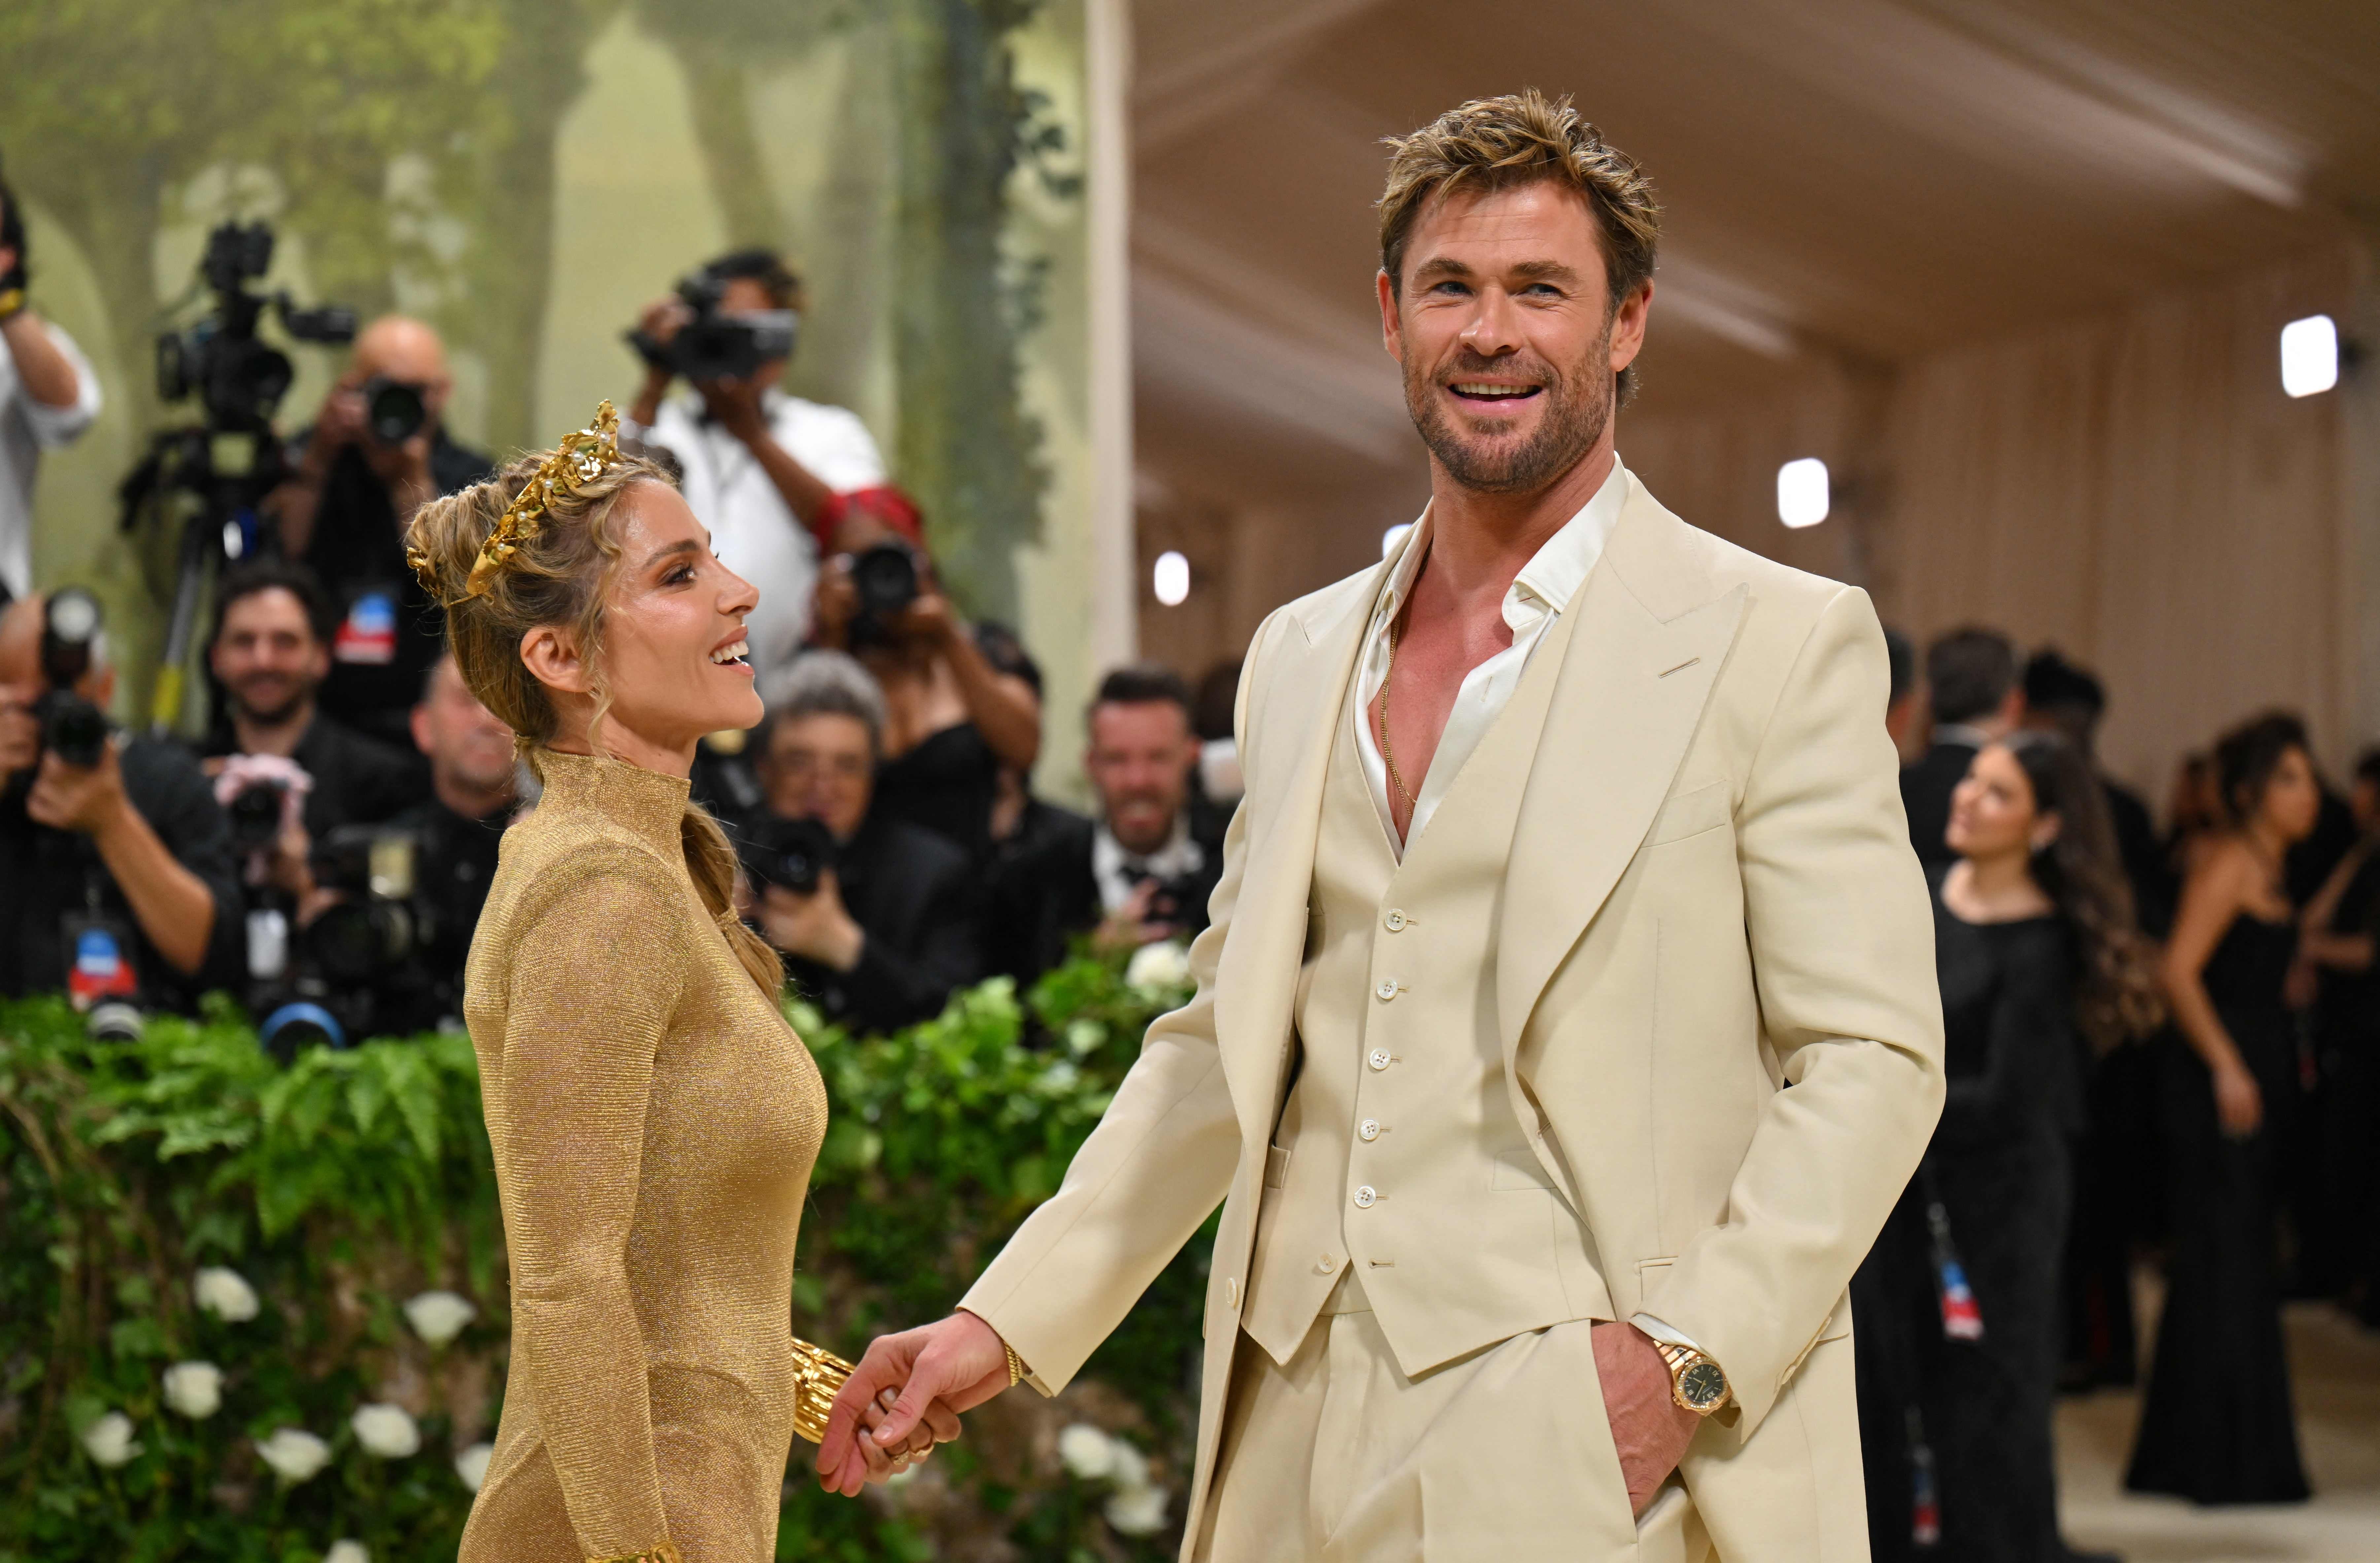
x,y
818,1377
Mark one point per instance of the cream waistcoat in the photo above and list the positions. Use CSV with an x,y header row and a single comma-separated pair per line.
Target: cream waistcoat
x,y
1398,1148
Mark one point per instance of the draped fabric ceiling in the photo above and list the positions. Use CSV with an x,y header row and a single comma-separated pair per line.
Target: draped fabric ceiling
x,y
2013,269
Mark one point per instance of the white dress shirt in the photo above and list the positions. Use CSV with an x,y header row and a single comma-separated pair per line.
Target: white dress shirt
x,y
753,531
27,429
1118,870
1535,599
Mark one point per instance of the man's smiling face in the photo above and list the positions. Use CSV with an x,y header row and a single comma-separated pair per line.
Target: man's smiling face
x,y
1504,326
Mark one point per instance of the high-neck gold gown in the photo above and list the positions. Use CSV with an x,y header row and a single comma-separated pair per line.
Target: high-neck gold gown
x,y
654,1121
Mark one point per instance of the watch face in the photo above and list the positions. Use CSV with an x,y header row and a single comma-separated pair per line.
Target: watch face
x,y
1703,1385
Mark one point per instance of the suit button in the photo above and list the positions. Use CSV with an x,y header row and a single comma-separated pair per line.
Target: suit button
x,y
1325,1263
1369,1128
1365,1197
1380,1059
1230,1293
1387,990
1395,920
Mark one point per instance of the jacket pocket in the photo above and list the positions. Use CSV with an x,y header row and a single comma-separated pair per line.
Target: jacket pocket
x,y
1691,813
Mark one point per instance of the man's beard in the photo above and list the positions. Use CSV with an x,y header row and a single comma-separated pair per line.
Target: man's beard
x,y
1578,409
292,701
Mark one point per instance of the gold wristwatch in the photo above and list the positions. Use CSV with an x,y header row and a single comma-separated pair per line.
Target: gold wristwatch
x,y
1696,1382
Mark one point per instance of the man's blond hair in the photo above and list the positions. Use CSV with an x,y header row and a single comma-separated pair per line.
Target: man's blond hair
x,y
1519,139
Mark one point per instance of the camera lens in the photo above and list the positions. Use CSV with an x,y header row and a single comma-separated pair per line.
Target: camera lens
x,y
255,811
790,854
73,729
393,412
885,577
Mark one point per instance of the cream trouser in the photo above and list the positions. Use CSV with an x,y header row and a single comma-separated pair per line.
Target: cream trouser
x,y
1340,1457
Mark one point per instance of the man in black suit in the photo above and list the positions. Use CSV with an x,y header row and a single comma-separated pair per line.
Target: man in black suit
x,y
876,918
1972,675
1140,872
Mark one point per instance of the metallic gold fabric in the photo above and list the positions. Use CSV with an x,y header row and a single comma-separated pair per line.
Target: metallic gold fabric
x,y
655,1122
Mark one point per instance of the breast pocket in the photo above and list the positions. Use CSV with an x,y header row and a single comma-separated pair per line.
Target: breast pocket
x,y
1691,813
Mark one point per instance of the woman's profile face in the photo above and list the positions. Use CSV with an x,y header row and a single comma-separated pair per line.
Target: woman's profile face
x,y
2292,799
1992,811
674,648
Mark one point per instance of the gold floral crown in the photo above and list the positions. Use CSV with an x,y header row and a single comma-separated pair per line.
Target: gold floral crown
x,y
577,461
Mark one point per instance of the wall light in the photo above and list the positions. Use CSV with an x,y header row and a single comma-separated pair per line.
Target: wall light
x,y
1394,535
1801,495
1171,581
2309,355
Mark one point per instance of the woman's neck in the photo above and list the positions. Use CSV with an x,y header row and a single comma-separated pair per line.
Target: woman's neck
x,y
1999,888
625,743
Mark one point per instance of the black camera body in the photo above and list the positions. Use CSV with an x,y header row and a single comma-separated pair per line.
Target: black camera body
x,y
715,344
72,727
238,379
255,814
886,580
394,410
790,854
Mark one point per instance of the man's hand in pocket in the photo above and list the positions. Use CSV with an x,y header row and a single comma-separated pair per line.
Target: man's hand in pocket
x,y
1648,1427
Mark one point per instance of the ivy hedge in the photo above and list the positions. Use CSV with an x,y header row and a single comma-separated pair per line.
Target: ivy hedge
x,y
259,1313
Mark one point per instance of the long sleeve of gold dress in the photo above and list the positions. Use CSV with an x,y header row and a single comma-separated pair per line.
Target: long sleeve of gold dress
x,y
655,1122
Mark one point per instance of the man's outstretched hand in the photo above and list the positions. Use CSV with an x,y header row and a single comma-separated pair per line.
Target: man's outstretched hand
x,y
960,1361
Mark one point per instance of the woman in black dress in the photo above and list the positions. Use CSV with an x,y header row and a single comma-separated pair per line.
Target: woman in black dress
x,y
2216,1426
2038,961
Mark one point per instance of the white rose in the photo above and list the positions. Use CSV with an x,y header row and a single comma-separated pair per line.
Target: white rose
x,y
1130,1470
225,1294
471,1465
346,1549
385,1431
109,1440
194,1389
1157,969
1136,1511
438,1316
294,1454
1086,1451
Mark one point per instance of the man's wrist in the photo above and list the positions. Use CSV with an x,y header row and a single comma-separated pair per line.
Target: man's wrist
x,y
14,306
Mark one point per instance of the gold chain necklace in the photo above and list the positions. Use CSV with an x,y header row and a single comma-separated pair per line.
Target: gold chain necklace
x,y
1388,753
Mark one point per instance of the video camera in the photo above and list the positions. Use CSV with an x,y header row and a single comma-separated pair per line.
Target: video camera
x,y
221,468
716,345
790,854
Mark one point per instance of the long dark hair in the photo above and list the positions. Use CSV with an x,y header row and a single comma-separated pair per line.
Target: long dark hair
x,y
2117,998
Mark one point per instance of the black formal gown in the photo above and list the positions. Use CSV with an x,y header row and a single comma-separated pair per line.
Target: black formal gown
x,y
2002,1165
2216,1426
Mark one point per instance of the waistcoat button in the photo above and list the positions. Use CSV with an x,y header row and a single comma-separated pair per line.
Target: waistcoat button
x,y
1380,1059
1387,990
1395,920
1369,1128
1364,1197
1326,1265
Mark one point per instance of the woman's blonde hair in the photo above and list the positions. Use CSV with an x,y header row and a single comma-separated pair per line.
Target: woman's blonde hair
x,y
560,574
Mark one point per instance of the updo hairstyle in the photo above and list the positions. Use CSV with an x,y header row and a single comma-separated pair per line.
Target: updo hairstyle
x,y
560,574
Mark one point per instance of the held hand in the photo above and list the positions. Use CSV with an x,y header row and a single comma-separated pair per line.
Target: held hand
x,y
834,604
2239,1104
816,926
20,734
1130,926
1648,1427
736,405
928,619
958,1361
340,423
77,797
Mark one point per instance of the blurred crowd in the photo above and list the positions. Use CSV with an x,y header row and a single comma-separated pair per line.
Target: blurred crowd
x,y
324,850
2162,1048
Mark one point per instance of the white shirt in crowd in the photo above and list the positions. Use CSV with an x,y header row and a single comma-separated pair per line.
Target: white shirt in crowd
x,y
1532,603
27,429
752,529
1119,872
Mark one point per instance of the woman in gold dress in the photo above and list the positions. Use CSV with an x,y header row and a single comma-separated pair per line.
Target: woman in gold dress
x,y
653,1117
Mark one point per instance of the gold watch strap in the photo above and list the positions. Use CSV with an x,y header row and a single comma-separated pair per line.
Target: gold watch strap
x,y
818,1376
661,1552
1681,1358
1015,1365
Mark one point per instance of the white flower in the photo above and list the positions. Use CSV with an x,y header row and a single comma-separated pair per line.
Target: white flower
x,y
471,1465
1136,1511
194,1389
346,1549
294,1454
109,1440
1085,1036
1157,969
1086,1451
1130,1470
438,1316
225,1294
385,1431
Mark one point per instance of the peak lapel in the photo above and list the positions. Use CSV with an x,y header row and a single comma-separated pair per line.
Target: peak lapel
x,y
1631,693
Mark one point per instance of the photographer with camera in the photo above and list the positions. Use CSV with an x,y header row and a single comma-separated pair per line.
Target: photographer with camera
x,y
876,917
953,719
760,467
377,451
474,779
117,861
1144,870
48,396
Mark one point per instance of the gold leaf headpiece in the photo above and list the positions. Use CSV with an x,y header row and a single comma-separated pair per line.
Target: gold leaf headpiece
x,y
577,461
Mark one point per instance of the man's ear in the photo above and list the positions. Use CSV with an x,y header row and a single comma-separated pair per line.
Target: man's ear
x,y
553,659
1628,327
1391,328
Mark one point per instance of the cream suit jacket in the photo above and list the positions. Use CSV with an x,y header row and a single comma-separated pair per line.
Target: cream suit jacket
x,y
1714,985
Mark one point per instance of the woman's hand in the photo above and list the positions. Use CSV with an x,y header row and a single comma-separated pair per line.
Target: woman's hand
x,y
941,1425
2238,1104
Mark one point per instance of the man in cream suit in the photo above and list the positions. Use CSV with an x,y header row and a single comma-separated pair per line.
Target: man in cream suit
x,y
1566,1025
